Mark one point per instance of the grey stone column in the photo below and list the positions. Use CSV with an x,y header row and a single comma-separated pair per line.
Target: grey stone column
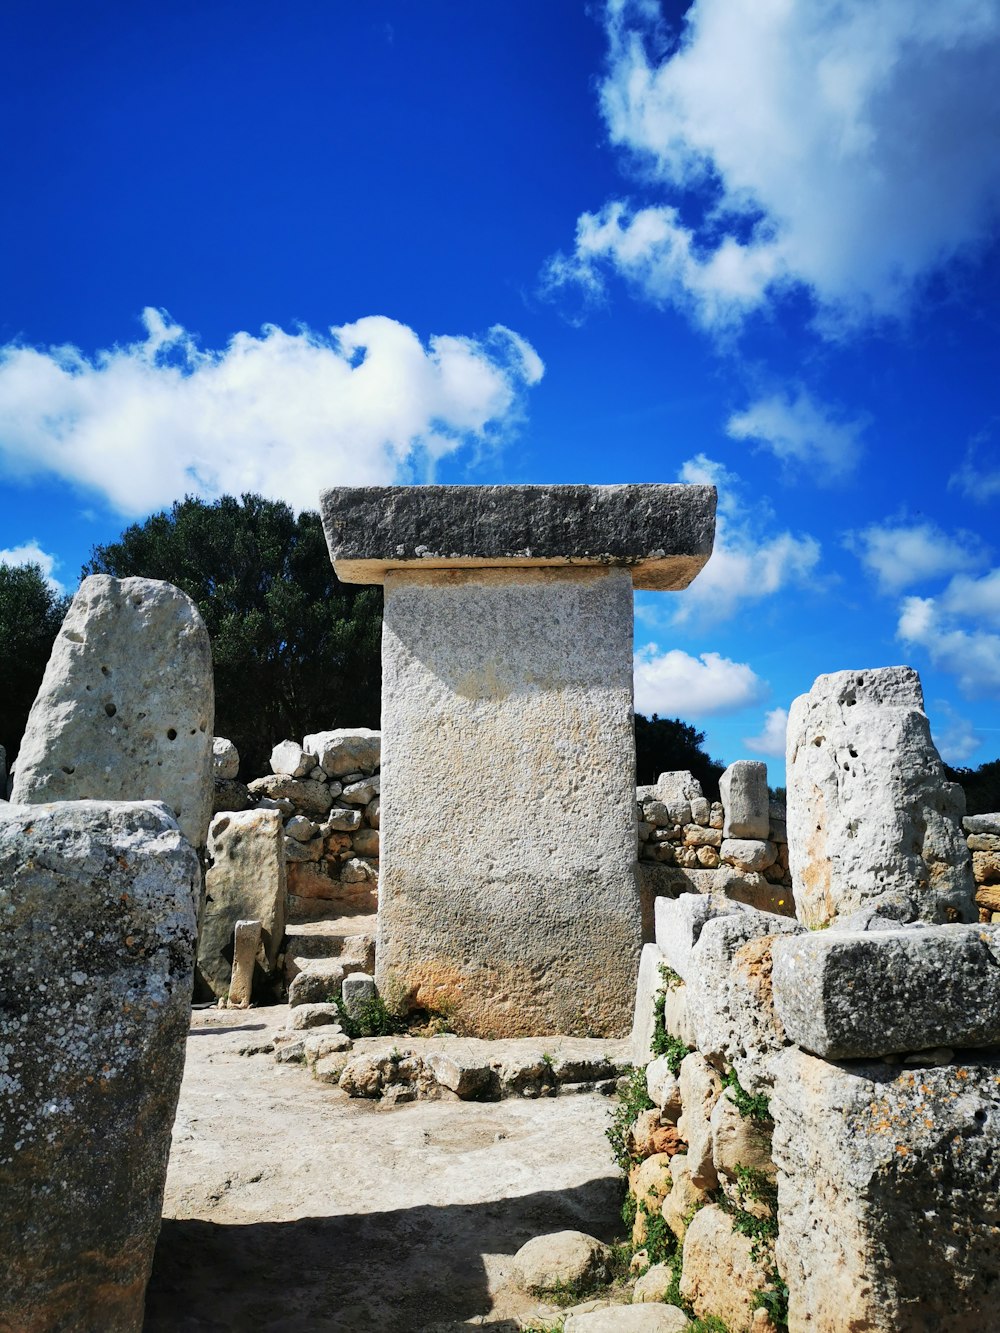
x,y
507,895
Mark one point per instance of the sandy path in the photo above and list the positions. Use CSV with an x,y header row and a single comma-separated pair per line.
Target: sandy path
x,y
290,1206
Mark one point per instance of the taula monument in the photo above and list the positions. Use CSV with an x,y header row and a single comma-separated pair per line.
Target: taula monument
x,y
507,671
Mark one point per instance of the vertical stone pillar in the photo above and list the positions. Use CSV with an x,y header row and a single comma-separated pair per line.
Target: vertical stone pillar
x,y
507,894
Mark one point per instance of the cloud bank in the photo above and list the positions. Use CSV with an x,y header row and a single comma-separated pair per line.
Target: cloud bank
x,y
800,432
847,149
771,740
675,684
284,414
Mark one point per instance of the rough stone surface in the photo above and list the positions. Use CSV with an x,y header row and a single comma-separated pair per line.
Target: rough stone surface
x,y
225,760
648,987
982,824
700,1089
126,706
663,1088
684,1197
720,1276
629,1319
743,788
246,943
358,990
749,853
309,798
320,1015
679,923
677,792
292,760
729,995
870,810
512,926
738,1140
245,880
229,794
346,750
859,994
564,1258
676,1015
663,534
96,962
888,1194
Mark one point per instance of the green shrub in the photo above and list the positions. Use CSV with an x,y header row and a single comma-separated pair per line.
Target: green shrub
x,y
631,1103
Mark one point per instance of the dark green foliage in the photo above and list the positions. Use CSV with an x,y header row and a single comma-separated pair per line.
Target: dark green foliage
x,y
754,1186
663,1043
295,650
981,786
756,1107
774,1300
373,1019
30,616
631,1102
663,745
660,1243
708,1323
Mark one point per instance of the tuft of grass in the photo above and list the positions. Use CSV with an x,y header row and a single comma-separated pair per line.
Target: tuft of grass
x,y
774,1299
755,1107
708,1323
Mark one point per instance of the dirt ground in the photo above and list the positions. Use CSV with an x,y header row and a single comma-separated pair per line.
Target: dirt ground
x,y
290,1206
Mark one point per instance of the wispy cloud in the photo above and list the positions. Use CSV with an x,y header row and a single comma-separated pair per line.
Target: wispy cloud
x,y
848,150
30,553
802,433
771,739
281,413
901,554
955,737
968,652
673,683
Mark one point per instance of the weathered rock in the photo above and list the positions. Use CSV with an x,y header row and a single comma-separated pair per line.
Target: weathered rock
x,y
859,994
653,1286
361,793
982,824
246,944
738,1140
300,828
340,820
650,1182
126,706
870,810
753,890
888,1194
720,1275
663,1088
729,995
358,990
312,879
308,798
357,871
983,842
346,750
292,760
245,881
679,923
749,854
366,842
648,1136
684,1199
228,794
317,1015
700,1088
676,1015
646,1318
649,987
373,811
225,760
696,836
96,965
678,791
564,1258
320,983
743,788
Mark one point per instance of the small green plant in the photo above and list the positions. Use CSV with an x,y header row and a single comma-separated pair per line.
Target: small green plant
x,y
754,1107
774,1299
663,1043
632,1101
754,1186
669,978
660,1243
547,1061
371,1019
708,1323
557,1327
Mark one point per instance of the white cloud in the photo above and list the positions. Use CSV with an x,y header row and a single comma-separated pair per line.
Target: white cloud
x,y
30,553
285,414
771,740
744,566
969,653
798,429
956,738
675,684
901,554
847,148
978,477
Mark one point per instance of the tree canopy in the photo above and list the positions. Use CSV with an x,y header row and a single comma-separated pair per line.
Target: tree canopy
x,y
981,785
663,745
30,616
295,650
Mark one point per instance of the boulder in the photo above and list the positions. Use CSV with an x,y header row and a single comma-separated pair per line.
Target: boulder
x,y
304,1016
749,853
96,969
700,1089
345,750
844,995
870,809
245,880
225,760
562,1259
720,1275
307,798
745,800
292,760
126,706
888,1194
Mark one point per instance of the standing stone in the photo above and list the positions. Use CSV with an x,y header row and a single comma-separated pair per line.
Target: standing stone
x,y
871,814
246,943
126,706
245,881
743,788
225,760
96,959
506,655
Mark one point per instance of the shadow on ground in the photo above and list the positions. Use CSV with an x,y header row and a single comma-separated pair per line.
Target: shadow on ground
x,y
393,1271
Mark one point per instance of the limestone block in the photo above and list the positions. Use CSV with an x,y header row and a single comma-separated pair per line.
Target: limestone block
x,y
858,994
653,1286
358,990
244,881
888,1194
647,1318
870,810
685,1196
680,792
357,871
303,851
372,812
986,867
753,890
720,1275
749,853
126,706
246,943
700,1089
676,1015
292,760
319,1014
563,1258
983,842
648,988
650,1182
366,842
745,800
701,811
361,793
729,994
225,760
309,798
514,926
679,923
662,534
322,980
341,820
663,1089
313,879
982,824
696,836
228,794
96,969
346,750
737,1140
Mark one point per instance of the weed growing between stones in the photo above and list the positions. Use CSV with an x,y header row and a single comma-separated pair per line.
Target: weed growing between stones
x,y
632,1100
754,1107
663,1043
373,1019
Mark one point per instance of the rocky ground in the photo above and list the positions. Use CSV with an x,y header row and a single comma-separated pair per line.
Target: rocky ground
x,y
291,1206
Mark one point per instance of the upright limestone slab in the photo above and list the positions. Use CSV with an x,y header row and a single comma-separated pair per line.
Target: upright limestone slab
x,y
126,706
97,904
872,817
507,666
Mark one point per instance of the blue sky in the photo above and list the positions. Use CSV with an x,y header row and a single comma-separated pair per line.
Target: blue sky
x,y
281,247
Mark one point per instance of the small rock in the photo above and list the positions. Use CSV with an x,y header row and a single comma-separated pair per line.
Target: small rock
x,y
340,820
564,1258
314,1015
290,759
300,828
653,1285
358,990
650,1318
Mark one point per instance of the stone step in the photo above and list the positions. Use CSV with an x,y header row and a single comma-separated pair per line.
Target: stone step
x,y
312,946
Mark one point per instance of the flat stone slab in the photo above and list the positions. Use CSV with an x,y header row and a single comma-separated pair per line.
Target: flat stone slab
x,y
844,995
662,533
